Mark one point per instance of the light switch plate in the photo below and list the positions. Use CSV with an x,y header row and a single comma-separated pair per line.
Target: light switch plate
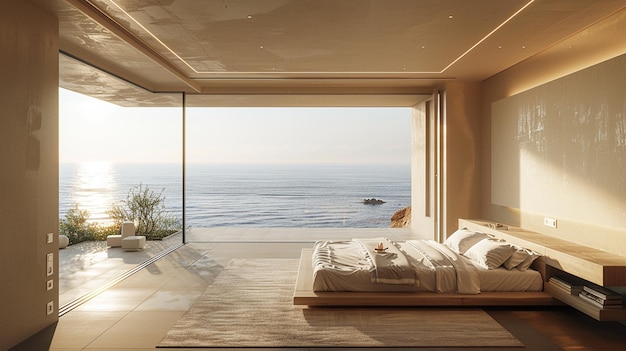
x,y
49,238
49,285
49,308
49,264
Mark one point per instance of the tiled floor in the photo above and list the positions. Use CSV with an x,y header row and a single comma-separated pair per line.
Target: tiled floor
x,y
135,313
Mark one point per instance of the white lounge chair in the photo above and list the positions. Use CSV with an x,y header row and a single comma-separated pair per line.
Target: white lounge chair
x,y
128,229
133,243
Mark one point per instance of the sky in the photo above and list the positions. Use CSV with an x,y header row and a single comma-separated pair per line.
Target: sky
x,y
94,130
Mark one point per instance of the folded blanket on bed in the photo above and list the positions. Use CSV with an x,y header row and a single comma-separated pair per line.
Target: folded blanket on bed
x,y
452,273
342,259
390,266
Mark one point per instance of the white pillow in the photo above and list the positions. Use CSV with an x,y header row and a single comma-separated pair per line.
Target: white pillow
x,y
532,256
461,240
490,254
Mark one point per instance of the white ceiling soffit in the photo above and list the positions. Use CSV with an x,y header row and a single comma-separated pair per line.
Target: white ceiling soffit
x,y
83,78
315,47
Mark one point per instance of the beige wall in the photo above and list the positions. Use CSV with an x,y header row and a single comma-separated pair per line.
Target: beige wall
x,y
527,186
29,176
458,129
423,181
461,157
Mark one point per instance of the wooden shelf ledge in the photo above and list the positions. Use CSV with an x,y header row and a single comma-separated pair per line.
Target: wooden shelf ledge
x,y
596,266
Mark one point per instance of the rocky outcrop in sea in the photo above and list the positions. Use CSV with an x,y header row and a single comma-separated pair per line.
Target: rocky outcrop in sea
x,y
401,218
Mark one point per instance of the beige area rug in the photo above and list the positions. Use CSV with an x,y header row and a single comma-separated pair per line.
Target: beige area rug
x,y
250,305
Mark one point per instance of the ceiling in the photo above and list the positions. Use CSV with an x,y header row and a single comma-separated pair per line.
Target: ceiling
x,y
302,52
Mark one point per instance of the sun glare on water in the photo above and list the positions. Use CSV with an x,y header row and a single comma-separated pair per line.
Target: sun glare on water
x,y
94,189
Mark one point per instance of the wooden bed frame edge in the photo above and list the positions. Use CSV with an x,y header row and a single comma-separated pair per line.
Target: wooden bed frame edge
x,y
304,295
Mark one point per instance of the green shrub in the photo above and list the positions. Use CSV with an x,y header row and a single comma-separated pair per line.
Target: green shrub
x,y
105,230
147,209
76,227
142,206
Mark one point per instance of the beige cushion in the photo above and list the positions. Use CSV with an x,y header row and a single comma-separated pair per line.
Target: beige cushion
x,y
518,256
128,229
131,243
114,240
532,256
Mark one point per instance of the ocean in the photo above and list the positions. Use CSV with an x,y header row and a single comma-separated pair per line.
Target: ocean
x,y
252,195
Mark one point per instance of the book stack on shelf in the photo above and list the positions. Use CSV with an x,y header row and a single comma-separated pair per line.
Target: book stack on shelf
x,y
566,285
601,297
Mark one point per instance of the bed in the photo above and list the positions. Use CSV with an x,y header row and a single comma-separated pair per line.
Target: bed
x,y
471,268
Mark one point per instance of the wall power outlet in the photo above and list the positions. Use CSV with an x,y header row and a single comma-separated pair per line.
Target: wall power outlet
x,y
49,308
549,222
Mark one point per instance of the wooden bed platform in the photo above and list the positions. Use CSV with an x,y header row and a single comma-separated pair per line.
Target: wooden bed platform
x,y
304,295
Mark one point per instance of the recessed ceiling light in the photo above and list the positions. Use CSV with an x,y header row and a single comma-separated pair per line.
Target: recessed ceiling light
x,y
487,36
523,46
499,46
450,16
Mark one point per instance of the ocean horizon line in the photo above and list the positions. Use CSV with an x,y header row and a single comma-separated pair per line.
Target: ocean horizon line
x,y
239,163
234,194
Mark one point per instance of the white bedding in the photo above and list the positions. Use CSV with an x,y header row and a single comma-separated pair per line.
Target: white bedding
x,y
348,266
